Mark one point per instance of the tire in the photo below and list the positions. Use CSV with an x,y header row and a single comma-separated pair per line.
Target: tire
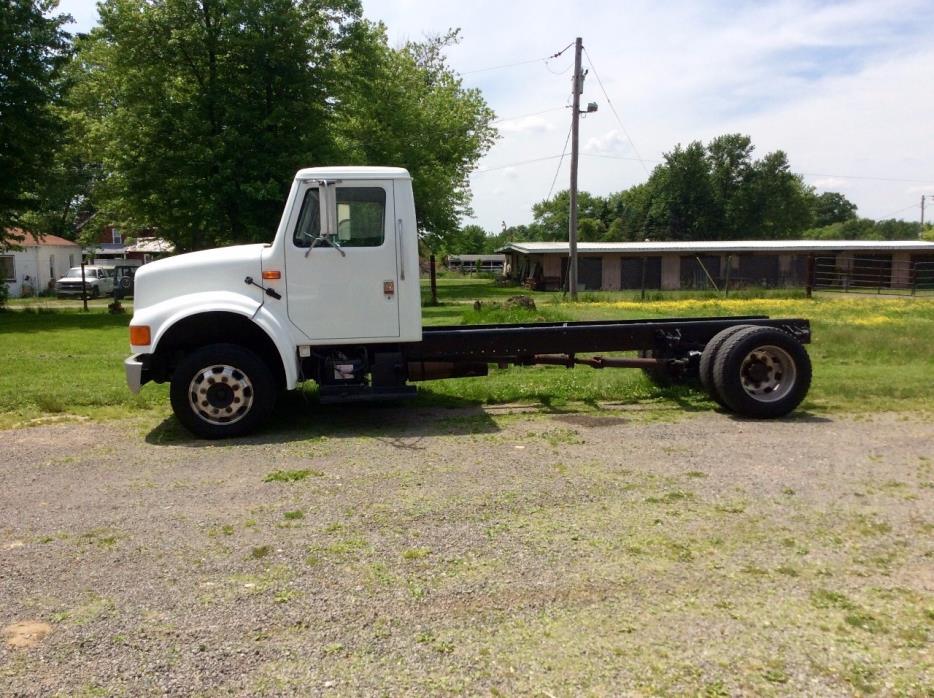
x,y
240,395
705,370
95,291
762,372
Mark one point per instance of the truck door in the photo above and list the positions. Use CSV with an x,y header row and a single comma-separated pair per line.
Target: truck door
x,y
341,262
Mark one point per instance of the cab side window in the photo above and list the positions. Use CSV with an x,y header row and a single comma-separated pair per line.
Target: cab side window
x,y
361,216
308,228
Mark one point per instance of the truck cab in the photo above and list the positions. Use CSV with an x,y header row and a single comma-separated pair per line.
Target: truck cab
x,y
330,299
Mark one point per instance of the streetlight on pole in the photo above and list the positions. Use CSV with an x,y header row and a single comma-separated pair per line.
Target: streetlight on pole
x,y
576,92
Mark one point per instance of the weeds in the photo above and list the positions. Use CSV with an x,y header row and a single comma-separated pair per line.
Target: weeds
x,y
291,475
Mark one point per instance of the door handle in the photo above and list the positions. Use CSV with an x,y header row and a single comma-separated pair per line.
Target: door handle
x,y
401,249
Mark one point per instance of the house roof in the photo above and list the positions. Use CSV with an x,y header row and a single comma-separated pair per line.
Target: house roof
x,y
29,240
152,246
720,246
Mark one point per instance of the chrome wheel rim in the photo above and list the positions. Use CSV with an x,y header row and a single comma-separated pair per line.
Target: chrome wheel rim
x,y
768,373
220,394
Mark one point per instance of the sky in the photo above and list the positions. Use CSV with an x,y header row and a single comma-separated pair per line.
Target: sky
x,y
846,89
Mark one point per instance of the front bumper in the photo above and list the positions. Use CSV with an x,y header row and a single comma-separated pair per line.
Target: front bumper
x,y
137,372
74,290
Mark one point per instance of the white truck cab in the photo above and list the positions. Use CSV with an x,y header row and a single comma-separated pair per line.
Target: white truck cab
x,y
342,271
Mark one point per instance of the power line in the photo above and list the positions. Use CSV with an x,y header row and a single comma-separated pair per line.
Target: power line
x,y
607,156
516,164
613,109
560,162
503,66
889,215
610,156
524,116
544,59
874,179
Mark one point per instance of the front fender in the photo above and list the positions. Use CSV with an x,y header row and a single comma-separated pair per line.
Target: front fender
x,y
160,317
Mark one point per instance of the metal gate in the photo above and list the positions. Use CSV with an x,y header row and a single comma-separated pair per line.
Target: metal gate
x,y
874,274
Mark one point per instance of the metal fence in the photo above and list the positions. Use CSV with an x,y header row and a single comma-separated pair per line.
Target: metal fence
x,y
879,275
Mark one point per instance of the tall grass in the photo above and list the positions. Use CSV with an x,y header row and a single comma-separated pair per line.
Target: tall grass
x,y
869,354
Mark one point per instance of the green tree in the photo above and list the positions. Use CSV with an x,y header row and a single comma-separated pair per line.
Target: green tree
x,y
683,196
471,239
406,107
776,201
865,229
553,216
831,207
33,49
198,109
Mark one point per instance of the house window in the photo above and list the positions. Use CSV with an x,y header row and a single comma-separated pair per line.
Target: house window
x,y
117,237
7,268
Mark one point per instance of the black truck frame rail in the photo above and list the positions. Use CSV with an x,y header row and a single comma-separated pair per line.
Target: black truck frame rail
x,y
520,342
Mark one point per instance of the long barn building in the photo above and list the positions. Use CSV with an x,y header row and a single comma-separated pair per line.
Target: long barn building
x,y
612,266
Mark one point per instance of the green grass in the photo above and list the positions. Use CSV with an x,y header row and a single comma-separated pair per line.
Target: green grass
x,y
291,476
869,353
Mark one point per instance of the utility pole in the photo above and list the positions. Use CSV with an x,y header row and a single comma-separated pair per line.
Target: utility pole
x,y
577,89
923,196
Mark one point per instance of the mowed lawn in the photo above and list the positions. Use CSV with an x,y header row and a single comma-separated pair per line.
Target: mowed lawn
x,y
870,354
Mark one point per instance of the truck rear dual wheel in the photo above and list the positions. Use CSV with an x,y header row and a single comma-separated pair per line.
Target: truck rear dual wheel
x,y
761,372
705,369
222,390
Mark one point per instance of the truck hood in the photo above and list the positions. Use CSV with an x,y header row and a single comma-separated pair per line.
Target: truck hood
x,y
220,269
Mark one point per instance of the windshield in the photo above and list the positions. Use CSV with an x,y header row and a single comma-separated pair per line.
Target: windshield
x,y
75,273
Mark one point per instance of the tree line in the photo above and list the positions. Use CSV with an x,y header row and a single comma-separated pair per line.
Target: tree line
x,y
189,117
717,191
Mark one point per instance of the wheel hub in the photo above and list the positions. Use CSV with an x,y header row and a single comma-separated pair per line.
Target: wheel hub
x,y
220,394
768,373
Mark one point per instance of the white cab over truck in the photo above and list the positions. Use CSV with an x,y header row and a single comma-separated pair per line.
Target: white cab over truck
x,y
335,298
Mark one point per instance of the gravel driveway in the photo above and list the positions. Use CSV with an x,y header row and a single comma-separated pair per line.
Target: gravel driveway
x,y
426,551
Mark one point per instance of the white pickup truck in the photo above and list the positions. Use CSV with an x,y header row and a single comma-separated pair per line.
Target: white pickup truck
x,y
94,280
335,298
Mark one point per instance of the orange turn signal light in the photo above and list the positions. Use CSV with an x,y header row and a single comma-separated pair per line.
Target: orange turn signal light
x,y
272,274
140,336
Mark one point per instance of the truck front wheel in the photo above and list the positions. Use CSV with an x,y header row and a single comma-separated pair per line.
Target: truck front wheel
x,y
762,372
222,390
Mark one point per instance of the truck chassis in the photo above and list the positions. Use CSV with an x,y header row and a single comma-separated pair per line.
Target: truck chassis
x,y
751,365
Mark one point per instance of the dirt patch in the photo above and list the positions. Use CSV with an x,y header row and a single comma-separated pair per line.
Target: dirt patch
x,y
25,634
589,420
377,551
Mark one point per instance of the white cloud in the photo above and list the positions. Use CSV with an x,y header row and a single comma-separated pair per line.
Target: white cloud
x,y
838,86
535,124
831,183
611,142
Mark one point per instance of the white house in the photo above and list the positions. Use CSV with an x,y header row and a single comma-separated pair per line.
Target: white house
x,y
36,265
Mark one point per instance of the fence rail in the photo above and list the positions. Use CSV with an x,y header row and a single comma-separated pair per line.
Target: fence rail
x,y
879,276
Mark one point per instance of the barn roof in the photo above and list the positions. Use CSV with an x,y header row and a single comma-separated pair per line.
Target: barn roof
x,y
723,246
